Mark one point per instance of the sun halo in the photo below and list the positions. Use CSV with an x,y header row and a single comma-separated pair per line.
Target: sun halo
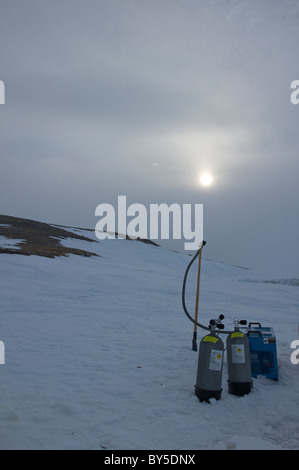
x,y
205,179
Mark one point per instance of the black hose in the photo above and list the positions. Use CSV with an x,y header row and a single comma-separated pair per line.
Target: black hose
x,y
183,293
183,298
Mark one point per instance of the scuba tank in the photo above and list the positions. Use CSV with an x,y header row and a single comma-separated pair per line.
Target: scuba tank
x,y
211,351
238,361
210,364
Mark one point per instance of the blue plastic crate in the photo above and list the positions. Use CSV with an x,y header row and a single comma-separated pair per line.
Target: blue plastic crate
x,y
263,352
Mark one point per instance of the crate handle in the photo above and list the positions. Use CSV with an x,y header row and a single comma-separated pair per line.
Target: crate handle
x,y
255,323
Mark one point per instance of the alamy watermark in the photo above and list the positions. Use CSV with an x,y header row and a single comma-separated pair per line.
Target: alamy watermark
x,y
295,354
158,221
2,353
2,92
295,94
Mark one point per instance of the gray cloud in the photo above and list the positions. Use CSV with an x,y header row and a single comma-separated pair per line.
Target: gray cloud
x,y
134,97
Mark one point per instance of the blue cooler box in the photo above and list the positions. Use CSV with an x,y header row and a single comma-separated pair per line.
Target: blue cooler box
x,y
263,353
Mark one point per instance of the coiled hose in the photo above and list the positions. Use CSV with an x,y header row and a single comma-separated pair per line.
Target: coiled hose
x,y
184,301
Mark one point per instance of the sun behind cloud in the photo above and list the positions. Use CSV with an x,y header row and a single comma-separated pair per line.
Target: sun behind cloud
x,y
206,179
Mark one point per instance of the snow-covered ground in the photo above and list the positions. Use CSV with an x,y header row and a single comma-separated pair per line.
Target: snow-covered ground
x,y
7,243
98,353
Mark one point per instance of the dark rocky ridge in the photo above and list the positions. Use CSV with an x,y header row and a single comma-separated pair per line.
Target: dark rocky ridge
x,y
38,238
43,239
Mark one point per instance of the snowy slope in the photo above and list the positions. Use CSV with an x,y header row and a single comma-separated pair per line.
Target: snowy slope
x,y
98,353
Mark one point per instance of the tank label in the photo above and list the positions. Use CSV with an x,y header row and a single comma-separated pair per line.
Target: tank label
x,y
237,334
211,339
238,354
215,359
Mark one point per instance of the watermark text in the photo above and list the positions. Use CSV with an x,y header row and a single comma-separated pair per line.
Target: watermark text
x,y
295,354
160,221
2,353
2,92
295,94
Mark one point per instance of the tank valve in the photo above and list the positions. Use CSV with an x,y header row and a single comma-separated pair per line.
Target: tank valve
x,y
217,323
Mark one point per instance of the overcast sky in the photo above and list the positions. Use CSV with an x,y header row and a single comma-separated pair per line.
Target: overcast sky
x,y
138,98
